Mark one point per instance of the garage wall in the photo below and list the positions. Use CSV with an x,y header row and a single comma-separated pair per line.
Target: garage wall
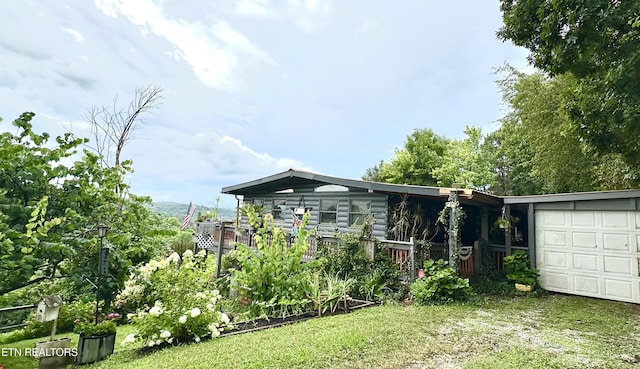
x,y
589,252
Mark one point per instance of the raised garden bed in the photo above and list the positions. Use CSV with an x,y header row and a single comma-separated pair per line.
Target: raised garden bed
x,y
256,325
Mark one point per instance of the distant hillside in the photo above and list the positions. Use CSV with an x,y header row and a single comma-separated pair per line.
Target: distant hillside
x,y
178,210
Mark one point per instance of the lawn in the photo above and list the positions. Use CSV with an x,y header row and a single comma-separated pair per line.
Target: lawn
x,y
553,331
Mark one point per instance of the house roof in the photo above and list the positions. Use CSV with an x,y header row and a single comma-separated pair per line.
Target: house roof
x,y
575,196
293,177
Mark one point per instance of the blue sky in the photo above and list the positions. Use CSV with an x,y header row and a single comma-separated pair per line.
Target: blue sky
x,y
255,87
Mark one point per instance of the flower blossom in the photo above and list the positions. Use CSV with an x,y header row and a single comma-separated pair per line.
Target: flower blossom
x,y
201,295
165,334
224,318
155,311
129,339
195,312
183,319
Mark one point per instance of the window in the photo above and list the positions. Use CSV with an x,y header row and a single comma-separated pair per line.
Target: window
x,y
358,210
278,209
328,211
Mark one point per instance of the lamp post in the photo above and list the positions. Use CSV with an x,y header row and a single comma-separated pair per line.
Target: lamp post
x,y
103,262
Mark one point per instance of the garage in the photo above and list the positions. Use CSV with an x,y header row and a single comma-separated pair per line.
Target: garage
x,y
587,243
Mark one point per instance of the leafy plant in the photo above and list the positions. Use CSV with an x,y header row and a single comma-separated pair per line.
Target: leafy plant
x,y
89,328
273,271
185,305
519,269
439,285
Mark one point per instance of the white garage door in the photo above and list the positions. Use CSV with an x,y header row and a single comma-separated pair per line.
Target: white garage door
x,y
589,253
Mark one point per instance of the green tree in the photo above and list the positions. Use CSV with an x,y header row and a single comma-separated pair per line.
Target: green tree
x,y
598,41
465,163
49,212
413,164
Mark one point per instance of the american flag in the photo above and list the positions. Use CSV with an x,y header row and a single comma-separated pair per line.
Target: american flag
x,y
187,218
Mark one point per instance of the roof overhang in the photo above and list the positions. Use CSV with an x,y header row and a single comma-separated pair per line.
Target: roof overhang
x,y
576,196
293,178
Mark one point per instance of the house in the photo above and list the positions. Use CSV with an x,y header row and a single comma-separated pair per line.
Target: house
x,y
582,243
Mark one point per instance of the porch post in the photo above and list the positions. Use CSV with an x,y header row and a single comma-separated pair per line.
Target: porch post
x,y
507,230
484,237
531,234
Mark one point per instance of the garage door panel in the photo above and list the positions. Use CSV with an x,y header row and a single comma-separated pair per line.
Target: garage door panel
x,y
554,218
556,281
555,259
618,288
555,238
615,219
585,239
583,219
617,265
616,241
586,284
585,262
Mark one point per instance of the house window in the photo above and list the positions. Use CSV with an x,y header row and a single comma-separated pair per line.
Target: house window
x,y
358,210
328,211
279,206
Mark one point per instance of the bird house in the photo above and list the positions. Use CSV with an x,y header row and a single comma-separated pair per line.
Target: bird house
x,y
48,308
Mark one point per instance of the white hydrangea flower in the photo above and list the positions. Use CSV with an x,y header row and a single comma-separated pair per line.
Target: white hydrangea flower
x,y
183,319
197,339
129,339
174,258
213,300
202,253
170,340
187,254
224,318
210,307
215,333
216,293
201,295
195,312
151,343
155,311
165,334
213,327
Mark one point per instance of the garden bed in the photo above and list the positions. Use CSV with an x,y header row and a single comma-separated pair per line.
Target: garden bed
x,y
259,324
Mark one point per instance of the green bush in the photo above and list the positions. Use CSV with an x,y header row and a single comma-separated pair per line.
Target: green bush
x,y
377,279
519,269
440,285
272,278
186,305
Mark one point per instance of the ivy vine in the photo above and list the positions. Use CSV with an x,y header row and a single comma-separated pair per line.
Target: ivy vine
x,y
452,206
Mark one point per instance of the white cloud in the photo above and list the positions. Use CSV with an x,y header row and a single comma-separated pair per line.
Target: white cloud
x,y
216,53
255,8
76,35
366,25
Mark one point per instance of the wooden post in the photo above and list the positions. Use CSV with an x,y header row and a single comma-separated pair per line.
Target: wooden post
x,y
531,234
412,259
507,230
453,236
220,250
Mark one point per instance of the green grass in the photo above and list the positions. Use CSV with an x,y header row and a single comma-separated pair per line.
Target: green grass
x,y
549,332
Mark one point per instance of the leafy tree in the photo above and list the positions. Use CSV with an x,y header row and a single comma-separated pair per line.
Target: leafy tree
x,y
49,212
465,163
414,163
598,41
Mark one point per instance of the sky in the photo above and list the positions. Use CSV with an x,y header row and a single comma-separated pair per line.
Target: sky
x,y
254,87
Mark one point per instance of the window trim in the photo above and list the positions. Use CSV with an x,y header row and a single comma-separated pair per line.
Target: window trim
x,y
321,212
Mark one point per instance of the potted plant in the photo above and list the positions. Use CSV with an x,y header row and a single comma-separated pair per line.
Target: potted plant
x,y
520,272
96,341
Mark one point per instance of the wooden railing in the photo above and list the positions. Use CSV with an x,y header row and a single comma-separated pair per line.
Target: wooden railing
x,y
13,309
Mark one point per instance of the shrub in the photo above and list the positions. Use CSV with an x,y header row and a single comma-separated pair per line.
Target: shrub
x,y
186,306
372,279
439,285
519,269
272,278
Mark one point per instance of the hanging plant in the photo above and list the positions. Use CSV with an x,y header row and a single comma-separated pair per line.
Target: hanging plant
x,y
452,217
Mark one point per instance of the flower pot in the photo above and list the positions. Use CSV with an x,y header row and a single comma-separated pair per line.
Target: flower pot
x,y
524,287
95,348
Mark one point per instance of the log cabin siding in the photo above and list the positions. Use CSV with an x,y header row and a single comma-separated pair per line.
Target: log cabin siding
x,y
378,208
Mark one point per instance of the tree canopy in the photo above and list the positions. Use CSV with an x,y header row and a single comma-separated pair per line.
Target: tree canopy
x,y
598,42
